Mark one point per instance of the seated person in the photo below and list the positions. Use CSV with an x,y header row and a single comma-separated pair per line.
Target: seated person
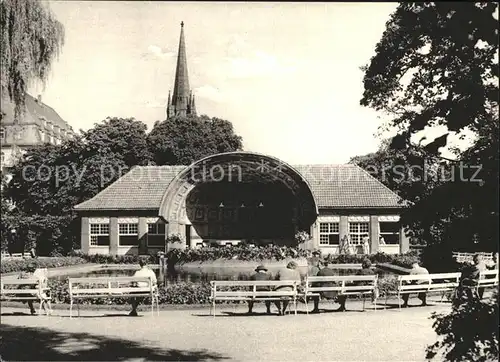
x,y
145,271
366,269
323,271
289,273
470,276
260,274
32,272
416,270
493,264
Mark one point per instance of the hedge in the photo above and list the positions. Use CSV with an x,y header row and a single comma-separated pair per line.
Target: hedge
x,y
17,265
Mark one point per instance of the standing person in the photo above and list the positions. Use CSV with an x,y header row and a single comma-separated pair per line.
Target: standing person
x,y
260,274
289,273
324,271
366,269
145,271
366,244
417,270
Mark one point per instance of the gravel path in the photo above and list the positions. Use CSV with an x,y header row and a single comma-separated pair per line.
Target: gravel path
x,y
383,335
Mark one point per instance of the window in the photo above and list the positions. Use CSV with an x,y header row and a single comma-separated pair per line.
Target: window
x,y
128,234
390,231
156,234
99,234
357,231
2,133
329,233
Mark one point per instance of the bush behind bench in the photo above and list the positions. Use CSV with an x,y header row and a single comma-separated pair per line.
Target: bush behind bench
x,y
17,265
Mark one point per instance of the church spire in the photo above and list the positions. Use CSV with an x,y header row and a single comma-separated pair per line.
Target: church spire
x,y
181,96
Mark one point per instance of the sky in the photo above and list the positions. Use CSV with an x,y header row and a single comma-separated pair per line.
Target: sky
x,y
287,75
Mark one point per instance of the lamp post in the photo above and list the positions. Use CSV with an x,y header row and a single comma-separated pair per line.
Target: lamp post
x,y
13,234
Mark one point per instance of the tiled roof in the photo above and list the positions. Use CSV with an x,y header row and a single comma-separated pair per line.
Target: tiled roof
x,y
39,109
334,186
34,111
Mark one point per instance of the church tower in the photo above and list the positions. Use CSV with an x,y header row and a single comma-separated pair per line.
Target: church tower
x,y
181,103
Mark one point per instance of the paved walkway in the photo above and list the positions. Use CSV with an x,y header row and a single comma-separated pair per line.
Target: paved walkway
x,y
194,335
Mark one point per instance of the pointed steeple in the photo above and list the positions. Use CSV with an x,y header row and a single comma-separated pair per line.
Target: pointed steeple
x,y
180,96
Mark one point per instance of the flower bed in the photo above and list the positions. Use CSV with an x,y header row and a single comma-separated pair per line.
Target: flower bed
x,y
403,260
17,265
114,259
240,252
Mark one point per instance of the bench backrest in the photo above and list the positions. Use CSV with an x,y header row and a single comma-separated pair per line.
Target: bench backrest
x,y
428,281
488,278
343,284
31,286
253,288
110,285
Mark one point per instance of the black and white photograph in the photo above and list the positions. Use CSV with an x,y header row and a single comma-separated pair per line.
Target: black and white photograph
x,y
249,181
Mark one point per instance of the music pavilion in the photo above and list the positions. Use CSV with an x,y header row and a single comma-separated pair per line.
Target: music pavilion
x,y
230,197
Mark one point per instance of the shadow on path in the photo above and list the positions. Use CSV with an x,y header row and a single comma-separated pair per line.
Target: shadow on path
x,y
43,344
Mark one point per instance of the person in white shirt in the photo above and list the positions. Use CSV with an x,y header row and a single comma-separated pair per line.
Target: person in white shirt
x,y
145,271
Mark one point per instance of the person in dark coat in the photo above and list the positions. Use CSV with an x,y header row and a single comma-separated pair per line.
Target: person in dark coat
x,y
470,276
366,269
260,274
323,271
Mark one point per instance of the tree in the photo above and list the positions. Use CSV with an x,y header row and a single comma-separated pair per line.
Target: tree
x,y
125,137
183,140
435,65
31,39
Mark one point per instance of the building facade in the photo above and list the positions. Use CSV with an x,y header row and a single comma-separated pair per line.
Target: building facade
x,y
236,196
38,124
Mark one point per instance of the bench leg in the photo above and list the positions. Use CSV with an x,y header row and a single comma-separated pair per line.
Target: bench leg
x,y
364,298
295,304
78,308
152,306
71,308
213,307
399,301
157,305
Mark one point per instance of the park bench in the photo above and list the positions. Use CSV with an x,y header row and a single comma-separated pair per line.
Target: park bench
x,y
425,283
487,279
12,256
112,287
247,291
30,289
360,285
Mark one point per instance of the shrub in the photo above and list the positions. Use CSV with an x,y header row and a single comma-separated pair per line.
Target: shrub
x,y
17,265
468,333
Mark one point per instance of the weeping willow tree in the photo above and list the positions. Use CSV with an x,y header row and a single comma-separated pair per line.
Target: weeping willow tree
x,y
31,39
